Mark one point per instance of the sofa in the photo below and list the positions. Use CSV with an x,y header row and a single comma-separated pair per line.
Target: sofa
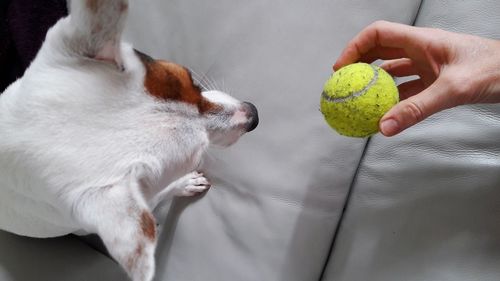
x,y
293,200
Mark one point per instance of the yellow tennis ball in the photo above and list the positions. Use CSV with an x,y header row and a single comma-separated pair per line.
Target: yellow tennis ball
x,y
356,97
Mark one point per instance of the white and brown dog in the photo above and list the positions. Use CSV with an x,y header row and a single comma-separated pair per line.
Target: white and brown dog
x,y
96,134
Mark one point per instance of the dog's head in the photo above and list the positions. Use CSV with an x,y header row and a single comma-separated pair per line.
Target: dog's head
x,y
224,117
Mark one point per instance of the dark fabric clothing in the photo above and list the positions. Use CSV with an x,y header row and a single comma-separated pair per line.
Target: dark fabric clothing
x,y
23,25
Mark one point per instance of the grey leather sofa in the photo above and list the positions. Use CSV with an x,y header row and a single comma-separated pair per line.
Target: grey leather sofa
x,y
293,200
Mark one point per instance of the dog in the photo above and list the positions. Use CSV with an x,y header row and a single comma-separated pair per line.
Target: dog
x,y
96,134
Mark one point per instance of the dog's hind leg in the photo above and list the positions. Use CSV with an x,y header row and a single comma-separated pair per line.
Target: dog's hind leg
x,y
121,217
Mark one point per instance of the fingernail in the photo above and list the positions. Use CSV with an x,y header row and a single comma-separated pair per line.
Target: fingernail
x,y
389,127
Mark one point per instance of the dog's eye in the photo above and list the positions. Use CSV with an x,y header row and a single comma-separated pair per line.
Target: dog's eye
x,y
197,87
195,84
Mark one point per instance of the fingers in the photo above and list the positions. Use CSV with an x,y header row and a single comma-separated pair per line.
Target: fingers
x,y
385,53
400,67
416,108
380,38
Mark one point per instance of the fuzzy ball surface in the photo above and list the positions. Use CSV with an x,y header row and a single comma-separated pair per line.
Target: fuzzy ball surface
x,y
356,97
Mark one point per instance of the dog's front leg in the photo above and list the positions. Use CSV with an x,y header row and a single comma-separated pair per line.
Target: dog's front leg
x,y
121,217
188,185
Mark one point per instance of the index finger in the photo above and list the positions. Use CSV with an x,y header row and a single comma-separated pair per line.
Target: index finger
x,y
381,34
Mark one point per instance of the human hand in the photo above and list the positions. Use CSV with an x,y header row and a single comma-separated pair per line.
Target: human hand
x,y
453,69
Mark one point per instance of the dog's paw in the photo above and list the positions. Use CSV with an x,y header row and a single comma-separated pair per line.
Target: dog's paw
x,y
191,184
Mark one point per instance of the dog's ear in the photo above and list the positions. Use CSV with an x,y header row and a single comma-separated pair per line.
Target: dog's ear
x,y
96,28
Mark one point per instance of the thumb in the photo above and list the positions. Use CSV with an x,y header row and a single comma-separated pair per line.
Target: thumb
x,y
416,108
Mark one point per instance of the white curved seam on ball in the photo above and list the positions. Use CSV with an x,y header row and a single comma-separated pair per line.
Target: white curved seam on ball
x,y
355,94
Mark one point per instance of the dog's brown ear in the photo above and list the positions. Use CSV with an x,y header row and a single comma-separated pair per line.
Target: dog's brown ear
x,y
172,82
97,26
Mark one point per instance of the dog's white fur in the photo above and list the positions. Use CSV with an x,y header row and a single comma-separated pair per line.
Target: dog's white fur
x,y
85,148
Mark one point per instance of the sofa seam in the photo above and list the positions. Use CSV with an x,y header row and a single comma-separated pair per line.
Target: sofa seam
x,y
417,14
344,209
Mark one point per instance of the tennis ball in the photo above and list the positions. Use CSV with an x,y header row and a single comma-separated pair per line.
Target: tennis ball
x,y
356,97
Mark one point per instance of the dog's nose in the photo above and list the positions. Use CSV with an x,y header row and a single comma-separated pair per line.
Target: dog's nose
x,y
253,115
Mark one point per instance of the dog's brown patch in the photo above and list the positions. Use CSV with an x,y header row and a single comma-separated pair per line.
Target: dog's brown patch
x,y
93,5
170,81
132,259
123,7
148,226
